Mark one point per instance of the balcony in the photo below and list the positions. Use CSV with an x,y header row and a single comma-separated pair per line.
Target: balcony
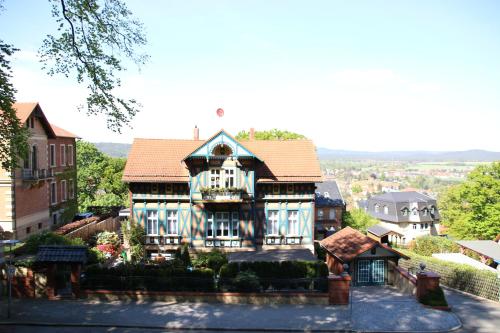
x,y
35,174
221,194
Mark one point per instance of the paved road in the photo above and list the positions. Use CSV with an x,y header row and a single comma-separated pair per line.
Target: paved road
x,y
477,314
374,309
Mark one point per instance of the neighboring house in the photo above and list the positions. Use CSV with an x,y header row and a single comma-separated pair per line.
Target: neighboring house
x,y
367,259
330,206
410,214
43,185
486,249
223,193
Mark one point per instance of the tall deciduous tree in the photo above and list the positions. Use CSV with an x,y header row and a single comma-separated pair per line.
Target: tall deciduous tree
x,y
93,39
471,210
358,219
274,134
99,178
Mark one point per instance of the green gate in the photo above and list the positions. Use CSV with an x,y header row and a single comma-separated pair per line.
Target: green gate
x,y
370,272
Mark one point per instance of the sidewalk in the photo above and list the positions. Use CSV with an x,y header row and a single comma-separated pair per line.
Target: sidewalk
x,y
374,309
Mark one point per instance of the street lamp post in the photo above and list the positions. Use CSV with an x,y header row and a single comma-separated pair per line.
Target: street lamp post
x,y
10,271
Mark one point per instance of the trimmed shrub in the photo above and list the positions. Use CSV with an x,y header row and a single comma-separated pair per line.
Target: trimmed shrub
x,y
95,256
214,260
247,281
182,254
427,245
434,298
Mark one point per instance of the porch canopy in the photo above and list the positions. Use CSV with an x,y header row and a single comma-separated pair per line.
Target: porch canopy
x,y
273,256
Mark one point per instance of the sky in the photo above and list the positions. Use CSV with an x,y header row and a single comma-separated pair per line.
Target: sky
x,y
356,75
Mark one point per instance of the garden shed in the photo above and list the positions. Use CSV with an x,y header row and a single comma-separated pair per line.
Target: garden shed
x,y
63,265
367,258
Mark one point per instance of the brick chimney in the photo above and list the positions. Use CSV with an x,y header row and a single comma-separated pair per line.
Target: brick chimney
x,y
196,133
251,136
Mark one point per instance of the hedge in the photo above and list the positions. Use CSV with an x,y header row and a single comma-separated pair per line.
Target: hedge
x,y
277,275
150,278
458,276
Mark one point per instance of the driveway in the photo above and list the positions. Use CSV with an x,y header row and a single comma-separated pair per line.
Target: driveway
x,y
477,314
386,309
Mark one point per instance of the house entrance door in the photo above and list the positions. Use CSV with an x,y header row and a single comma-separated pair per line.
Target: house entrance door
x,y
370,272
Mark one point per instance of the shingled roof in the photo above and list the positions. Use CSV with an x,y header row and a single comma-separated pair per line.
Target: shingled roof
x,y
161,160
62,254
348,243
62,133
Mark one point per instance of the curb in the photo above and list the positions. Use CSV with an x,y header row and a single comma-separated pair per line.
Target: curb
x,y
178,329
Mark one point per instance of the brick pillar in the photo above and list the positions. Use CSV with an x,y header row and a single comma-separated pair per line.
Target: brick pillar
x,y
51,281
426,281
75,279
338,289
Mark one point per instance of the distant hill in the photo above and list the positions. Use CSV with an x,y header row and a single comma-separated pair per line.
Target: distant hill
x,y
437,156
113,149
122,149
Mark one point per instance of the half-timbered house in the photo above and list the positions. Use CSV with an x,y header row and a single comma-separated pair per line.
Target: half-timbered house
x,y
223,193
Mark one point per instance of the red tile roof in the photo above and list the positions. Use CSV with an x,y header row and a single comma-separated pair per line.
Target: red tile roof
x,y
60,132
348,243
24,110
159,160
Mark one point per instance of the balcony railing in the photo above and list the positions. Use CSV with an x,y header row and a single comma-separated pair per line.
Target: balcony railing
x,y
283,240
163,240
35,174
214,242
221,196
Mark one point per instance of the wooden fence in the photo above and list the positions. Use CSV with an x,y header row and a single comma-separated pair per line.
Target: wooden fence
x,y
89,230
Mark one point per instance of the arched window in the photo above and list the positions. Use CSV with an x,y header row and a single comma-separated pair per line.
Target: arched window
x,y
222,150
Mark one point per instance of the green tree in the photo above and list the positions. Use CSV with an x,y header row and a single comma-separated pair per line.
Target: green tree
x,y
274,134
358,219
94,38
99,178
356,189
471,210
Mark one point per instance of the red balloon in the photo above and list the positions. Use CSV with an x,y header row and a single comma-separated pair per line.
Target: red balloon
x,y
220,112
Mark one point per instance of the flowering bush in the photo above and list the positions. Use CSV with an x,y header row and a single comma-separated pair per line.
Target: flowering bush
x,y
107,237
108,250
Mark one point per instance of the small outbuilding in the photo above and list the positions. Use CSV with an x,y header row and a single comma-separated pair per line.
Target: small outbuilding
x,y
63,266
367,258
384,235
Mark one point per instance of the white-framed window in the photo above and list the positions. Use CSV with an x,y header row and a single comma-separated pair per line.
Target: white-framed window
x,y
405,211
152,222
222,224
424,212
433,210
63,155
70,154
210,225
415,212
293,222
215,180
53,155
414,226
235,224
377,208
172,222
320,213
222,177
332,214
427,226
273,222
327,195
229,177
386,210
421,225
71,189
53,193
64,191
